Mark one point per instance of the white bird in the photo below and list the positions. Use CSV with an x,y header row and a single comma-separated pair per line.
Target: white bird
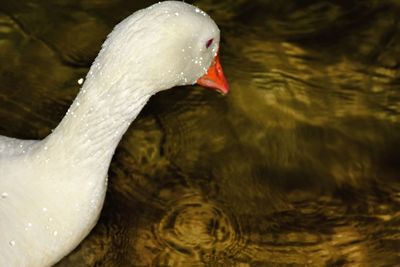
x,y
52,190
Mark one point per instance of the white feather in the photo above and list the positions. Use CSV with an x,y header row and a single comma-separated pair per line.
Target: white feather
x,y
52,191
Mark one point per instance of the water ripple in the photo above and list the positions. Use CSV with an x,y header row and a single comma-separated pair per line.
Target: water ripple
x,y
199,229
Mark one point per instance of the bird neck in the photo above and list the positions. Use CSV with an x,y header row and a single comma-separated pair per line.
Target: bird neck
x,y
95,123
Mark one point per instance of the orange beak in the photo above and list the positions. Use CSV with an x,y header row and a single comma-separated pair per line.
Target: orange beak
x,y
215,78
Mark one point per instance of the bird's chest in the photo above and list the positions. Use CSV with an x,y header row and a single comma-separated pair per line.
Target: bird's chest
x,y
48,214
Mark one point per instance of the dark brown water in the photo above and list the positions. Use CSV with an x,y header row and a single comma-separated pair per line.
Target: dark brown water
x,y
298,166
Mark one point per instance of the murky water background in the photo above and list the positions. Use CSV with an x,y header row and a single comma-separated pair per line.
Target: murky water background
x,y
298,166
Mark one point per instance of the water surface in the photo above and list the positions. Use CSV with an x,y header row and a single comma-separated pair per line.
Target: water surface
x,y
298,166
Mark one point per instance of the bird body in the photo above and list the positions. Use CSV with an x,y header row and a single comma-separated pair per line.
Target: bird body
x,y
52,190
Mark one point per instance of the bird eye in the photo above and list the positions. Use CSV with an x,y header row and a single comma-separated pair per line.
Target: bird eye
x,y
209,43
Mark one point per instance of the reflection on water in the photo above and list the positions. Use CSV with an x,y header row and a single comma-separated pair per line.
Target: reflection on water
x,y
298,165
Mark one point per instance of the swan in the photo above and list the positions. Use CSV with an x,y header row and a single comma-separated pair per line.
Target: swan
x,y
52,190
